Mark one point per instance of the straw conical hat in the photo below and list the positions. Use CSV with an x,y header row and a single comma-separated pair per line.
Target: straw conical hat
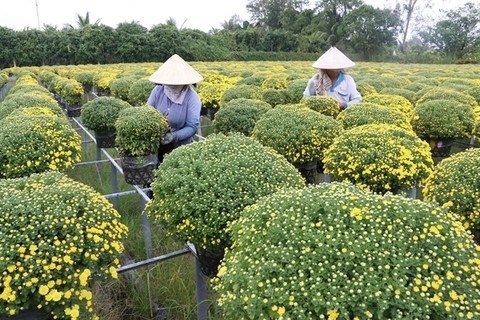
x,y
175,71
333,59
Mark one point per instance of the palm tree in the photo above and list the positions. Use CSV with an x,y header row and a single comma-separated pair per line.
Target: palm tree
x,y
83,21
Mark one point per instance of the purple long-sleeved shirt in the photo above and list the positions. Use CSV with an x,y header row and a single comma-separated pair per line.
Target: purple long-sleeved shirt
x,y
183,118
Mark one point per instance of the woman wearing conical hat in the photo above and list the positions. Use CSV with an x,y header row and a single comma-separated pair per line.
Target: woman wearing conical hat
x,y
331,79
175,97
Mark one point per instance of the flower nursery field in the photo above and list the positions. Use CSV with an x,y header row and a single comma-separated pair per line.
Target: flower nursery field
x,y
359,247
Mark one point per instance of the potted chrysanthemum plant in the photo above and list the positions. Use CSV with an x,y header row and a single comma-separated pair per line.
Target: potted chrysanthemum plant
x,y
139,131
57,238
379,157
333,251
200,188
299,134
100,115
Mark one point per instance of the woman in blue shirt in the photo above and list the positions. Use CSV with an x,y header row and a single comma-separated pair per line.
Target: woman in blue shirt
x,y
175,97
331,79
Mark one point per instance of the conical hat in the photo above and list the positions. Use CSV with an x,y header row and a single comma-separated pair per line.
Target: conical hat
x,y
175,71
333,59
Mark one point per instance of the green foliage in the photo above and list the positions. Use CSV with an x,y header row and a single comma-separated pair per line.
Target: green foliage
x,y
28,100
200,188
323,104
140,91
391,101
444,119
275,97
297,133
120,87
447,94
295,89
241,91
239,115
455,184
35,144
85,77
379,157
100,114
139,130
335,252
409,94
57,237
369,113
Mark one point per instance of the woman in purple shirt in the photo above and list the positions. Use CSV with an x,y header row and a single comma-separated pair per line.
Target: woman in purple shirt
x,y
175,97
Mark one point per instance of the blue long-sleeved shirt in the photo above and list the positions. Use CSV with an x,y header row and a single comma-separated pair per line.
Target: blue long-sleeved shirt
x,y
344,90
183,118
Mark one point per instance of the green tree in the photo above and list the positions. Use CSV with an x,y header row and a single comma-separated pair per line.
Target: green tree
x,y
134,42
83,21
458,34
8,39
332,13
369,30
97,44
166,41
30,47
269,13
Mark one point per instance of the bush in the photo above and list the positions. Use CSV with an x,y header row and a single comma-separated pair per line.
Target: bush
x,y
35,144
446,94
275,97
299,134
369,113
28,100
455,183
379,157
201,187
323,104
139,130
120,87
239,115
241,91
140,91
57,237
100,114
391,101
444,119
334,252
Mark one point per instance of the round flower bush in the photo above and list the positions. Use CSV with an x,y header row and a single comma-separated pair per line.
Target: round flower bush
x,y
101,113
335,252
239,115
299,134
28,100
447,94
35,144
57,236
140,91
379,157
392,101
201,187
323,104
139,130
120,87
455,183
369,113
446,119
240,91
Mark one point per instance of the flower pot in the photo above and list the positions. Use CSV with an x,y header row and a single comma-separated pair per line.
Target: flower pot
x,y
209,112
105,138
73,111
30,315
139,170
309,170
440,148
209,260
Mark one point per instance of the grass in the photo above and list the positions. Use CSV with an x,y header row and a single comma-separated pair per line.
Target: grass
x,y
166,290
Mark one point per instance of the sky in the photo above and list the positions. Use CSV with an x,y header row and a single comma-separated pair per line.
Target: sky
x,y
194,14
